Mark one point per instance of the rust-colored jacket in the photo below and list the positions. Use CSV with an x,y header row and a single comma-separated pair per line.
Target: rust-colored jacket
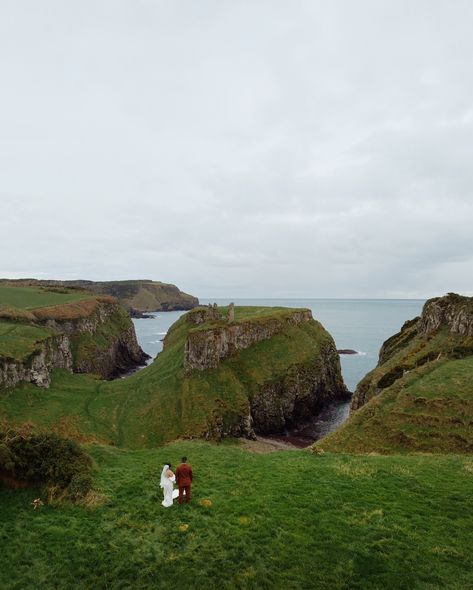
x,y
184,475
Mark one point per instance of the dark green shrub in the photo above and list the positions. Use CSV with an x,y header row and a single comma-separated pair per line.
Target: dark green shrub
x,y
80,486
46,458
6,459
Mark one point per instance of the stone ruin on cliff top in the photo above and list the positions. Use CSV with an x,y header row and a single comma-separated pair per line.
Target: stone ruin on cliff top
x,y
211,313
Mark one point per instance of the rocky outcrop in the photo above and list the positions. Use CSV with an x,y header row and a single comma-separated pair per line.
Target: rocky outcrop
x,y
453,312
52,353
283,387
301,394
103,343
206,347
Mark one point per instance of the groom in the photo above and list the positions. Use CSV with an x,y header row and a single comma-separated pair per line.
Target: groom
x,y
184,480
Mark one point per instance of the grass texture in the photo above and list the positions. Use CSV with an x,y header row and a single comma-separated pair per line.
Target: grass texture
x,y
288,520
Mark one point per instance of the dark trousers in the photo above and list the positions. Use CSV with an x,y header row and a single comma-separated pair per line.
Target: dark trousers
x,y
187,490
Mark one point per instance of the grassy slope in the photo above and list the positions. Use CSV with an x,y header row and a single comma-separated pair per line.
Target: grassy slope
x,y
160,403
287,520
410,350
18,341
428,410
19,334
35,297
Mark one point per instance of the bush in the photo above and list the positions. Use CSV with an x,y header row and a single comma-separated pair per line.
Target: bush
x,y
46,458
80,486
6,459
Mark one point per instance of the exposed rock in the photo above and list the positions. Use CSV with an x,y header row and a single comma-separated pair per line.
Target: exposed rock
x,y
53,353
452,311
139,315
282,400
205,348
210,313
301,394
118,351
103,343
347,351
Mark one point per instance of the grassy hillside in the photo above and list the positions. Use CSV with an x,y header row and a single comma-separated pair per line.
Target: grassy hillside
x,y
19,341
162,402
35,297
139,295
419,398
21,308
443,331
284,520
429,410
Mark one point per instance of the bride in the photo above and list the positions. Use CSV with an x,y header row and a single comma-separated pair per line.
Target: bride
x,y
168,479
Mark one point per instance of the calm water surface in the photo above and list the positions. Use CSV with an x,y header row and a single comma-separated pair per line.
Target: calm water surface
x,y
360,324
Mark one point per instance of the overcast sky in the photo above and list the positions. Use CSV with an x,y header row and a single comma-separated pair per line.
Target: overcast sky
x,y
261,148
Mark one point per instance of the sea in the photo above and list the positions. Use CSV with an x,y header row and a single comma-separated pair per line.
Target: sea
x,y
357,324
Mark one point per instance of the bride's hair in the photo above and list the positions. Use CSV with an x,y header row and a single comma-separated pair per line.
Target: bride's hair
x,y
168,464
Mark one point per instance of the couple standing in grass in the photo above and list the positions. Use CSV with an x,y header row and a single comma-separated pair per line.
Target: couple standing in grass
x,y
183,478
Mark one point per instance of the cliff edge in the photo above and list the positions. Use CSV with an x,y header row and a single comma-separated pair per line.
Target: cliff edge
x,y
42,330
137,296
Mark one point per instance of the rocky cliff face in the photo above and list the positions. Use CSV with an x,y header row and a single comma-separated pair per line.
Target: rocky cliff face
x,y
453,312
205,348
299,395
53,353
103,343
444,330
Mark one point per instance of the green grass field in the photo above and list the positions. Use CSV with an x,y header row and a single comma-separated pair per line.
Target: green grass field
x,y
29,298
287,520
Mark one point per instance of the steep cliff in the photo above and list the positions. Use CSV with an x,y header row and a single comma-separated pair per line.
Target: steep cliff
x,y
420,395
136,295
297,366
208,345
104,342
51,353
88,334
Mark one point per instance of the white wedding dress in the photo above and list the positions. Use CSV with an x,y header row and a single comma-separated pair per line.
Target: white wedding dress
x,y
167,483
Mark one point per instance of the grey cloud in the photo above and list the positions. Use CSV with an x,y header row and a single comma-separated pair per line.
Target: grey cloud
x,y
239,148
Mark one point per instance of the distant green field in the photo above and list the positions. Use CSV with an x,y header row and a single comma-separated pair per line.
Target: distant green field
x,y
34,297
287,520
